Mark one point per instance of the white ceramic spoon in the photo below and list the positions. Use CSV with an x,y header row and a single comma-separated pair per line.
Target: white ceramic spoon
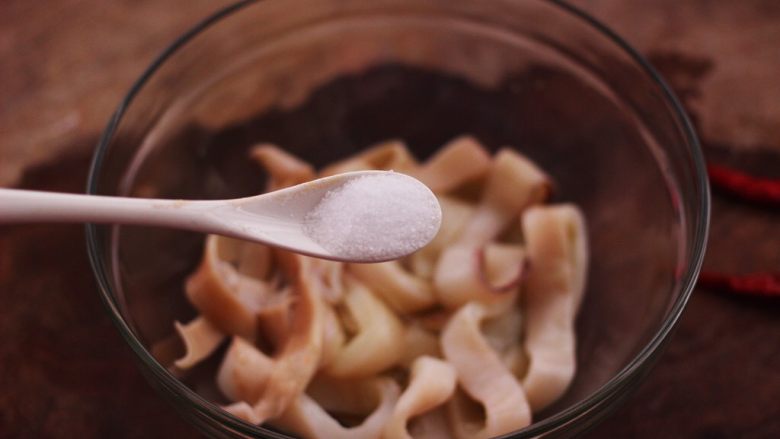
x,y
275,218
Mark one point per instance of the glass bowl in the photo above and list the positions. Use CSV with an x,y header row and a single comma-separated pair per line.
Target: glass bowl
x,y
326,78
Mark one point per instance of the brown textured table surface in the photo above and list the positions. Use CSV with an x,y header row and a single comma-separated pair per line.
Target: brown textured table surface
x,y
64,64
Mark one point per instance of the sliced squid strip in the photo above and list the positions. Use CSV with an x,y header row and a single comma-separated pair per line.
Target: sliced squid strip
x,y
270,384
309,420
484,225
504,333
466,417
455,215
248,258
557,249
513,184
255,261
431,384
290,264
391,155
490,275
283,168
275,317
505,330
460,160
254,294
379,341
502,265
330,275
229,250
221,294
242,411
516,360
482,374
417,343
228,299
297,361
351,397
200,338
431,425
232,255
422,264
333,337
244,372
396,286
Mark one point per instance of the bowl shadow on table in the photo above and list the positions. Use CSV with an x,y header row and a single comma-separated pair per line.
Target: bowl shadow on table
x,y
66,372
593,151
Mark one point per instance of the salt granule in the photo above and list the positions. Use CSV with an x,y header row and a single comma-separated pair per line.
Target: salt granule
x,y
375,217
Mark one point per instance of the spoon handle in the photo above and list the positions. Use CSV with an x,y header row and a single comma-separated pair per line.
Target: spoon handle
x,y
23,206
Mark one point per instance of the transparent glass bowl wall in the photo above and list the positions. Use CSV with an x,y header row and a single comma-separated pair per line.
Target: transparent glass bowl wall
x,y
326,78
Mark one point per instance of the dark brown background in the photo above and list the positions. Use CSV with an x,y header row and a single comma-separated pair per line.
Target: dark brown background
x,y
64,65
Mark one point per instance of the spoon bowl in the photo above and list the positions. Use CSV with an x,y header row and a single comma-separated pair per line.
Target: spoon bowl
x,y
277,218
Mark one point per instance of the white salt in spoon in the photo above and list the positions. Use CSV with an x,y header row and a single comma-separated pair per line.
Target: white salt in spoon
x,y
366,216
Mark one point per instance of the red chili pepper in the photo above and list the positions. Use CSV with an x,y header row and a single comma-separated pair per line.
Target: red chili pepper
x,y
757,189
762,190
755,284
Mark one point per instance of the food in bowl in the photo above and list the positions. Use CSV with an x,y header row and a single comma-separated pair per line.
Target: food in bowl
x,y
467,337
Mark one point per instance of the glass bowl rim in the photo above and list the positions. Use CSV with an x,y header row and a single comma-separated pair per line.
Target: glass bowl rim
x,y
603,394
